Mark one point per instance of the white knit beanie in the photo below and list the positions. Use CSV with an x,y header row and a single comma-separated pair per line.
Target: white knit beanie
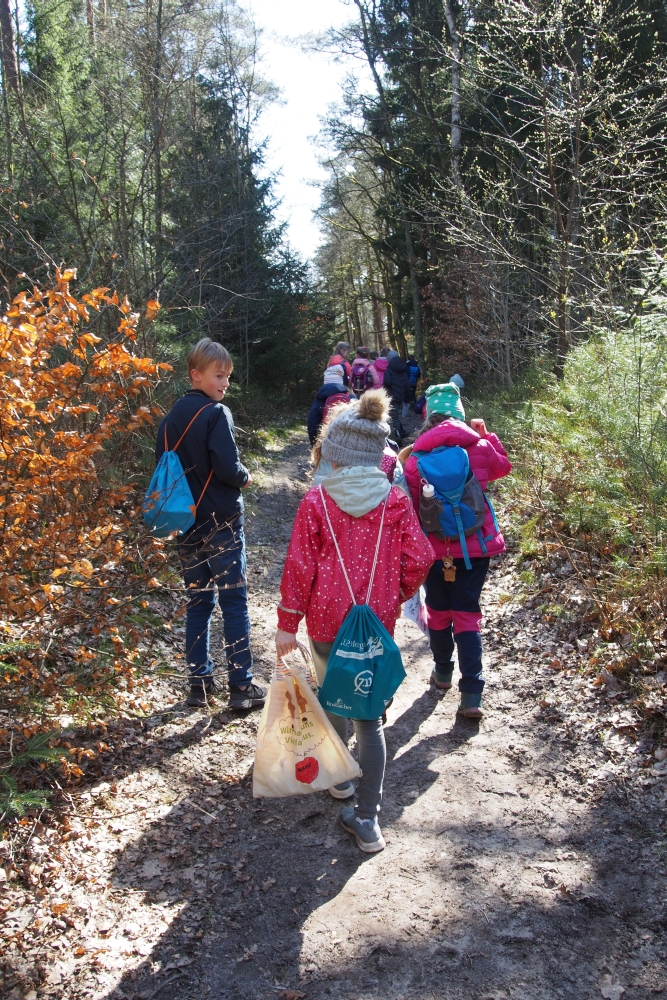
x,y
357,436
333,375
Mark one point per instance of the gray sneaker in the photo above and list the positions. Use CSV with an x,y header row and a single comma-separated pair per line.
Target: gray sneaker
x,y
343,791
367,831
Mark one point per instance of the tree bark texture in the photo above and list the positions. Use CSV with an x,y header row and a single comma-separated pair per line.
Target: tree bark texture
x,y
9,61
455,40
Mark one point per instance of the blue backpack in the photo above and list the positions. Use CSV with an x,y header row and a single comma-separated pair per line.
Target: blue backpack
x,y
458,495
169,505
364,669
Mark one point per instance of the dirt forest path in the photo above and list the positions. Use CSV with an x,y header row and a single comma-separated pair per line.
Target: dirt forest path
x,y
524,860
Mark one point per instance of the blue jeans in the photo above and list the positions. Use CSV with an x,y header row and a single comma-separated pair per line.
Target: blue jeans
x,y
217,564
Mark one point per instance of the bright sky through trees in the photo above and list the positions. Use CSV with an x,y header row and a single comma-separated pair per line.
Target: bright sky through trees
x,y
309,82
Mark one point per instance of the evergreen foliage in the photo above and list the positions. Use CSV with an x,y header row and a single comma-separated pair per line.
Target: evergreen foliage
x,y
128,155
13,802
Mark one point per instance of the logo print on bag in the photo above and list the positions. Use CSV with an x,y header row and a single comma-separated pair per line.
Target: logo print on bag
x,y
339,703
363,682
297,730
364,651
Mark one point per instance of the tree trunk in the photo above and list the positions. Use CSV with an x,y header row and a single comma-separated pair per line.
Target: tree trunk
x,y
358,337
562,339
124,225
157,136
346,314
90,17
416,298
377,316
386,285
455,40
9,63
409,247
565,226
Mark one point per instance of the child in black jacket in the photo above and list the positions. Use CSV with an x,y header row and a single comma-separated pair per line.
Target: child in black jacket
x,y
212,552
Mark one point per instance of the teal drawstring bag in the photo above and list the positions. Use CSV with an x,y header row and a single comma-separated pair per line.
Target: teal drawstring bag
x,y
169,505
365,668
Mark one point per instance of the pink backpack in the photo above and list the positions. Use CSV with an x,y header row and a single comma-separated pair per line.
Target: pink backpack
x,y
361,377
379,372
337,397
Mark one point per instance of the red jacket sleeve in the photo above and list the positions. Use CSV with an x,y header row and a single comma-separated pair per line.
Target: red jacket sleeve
x,y
498,463
417,555
300,567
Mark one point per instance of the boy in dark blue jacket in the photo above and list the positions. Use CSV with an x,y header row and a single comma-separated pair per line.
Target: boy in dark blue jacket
x,y
212,552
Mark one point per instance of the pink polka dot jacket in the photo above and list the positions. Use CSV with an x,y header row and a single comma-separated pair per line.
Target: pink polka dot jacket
x,y
313,583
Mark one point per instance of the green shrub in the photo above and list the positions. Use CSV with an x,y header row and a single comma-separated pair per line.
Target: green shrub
x,y
590,462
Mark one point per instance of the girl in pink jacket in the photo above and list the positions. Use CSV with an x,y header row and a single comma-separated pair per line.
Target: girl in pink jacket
x,y
452,590
338,524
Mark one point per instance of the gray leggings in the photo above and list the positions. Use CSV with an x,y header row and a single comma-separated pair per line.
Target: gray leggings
x,y
370,739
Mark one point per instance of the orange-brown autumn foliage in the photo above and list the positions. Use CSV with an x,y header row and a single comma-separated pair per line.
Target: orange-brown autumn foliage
x,y
71,545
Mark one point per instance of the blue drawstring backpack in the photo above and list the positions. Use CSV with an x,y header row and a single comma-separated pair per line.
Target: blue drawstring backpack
x,y
169,505
365,668
462,499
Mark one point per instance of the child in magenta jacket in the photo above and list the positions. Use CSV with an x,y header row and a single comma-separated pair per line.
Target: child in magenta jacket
x,y
453,610
358,496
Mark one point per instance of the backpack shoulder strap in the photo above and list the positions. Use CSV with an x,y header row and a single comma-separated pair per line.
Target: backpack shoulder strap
x,y
204,407
340,557
493,513
335,541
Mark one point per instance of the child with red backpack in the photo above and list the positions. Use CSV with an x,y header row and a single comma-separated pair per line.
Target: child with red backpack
x,y
332,391
338,525
361,377
447,472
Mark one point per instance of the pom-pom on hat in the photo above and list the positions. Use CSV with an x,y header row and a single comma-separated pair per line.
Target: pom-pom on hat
x,y
445,399
357,435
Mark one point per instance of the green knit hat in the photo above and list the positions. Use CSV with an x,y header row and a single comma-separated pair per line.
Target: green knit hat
x,y
445,399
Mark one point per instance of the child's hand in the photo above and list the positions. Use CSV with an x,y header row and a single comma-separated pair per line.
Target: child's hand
x,y
479,426
285,642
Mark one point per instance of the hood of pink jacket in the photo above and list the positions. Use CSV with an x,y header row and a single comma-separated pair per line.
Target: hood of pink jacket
x,y
488,460
446,435
381,364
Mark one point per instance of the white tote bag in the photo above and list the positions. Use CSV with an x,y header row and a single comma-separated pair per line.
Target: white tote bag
x,y
415,610
298,750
